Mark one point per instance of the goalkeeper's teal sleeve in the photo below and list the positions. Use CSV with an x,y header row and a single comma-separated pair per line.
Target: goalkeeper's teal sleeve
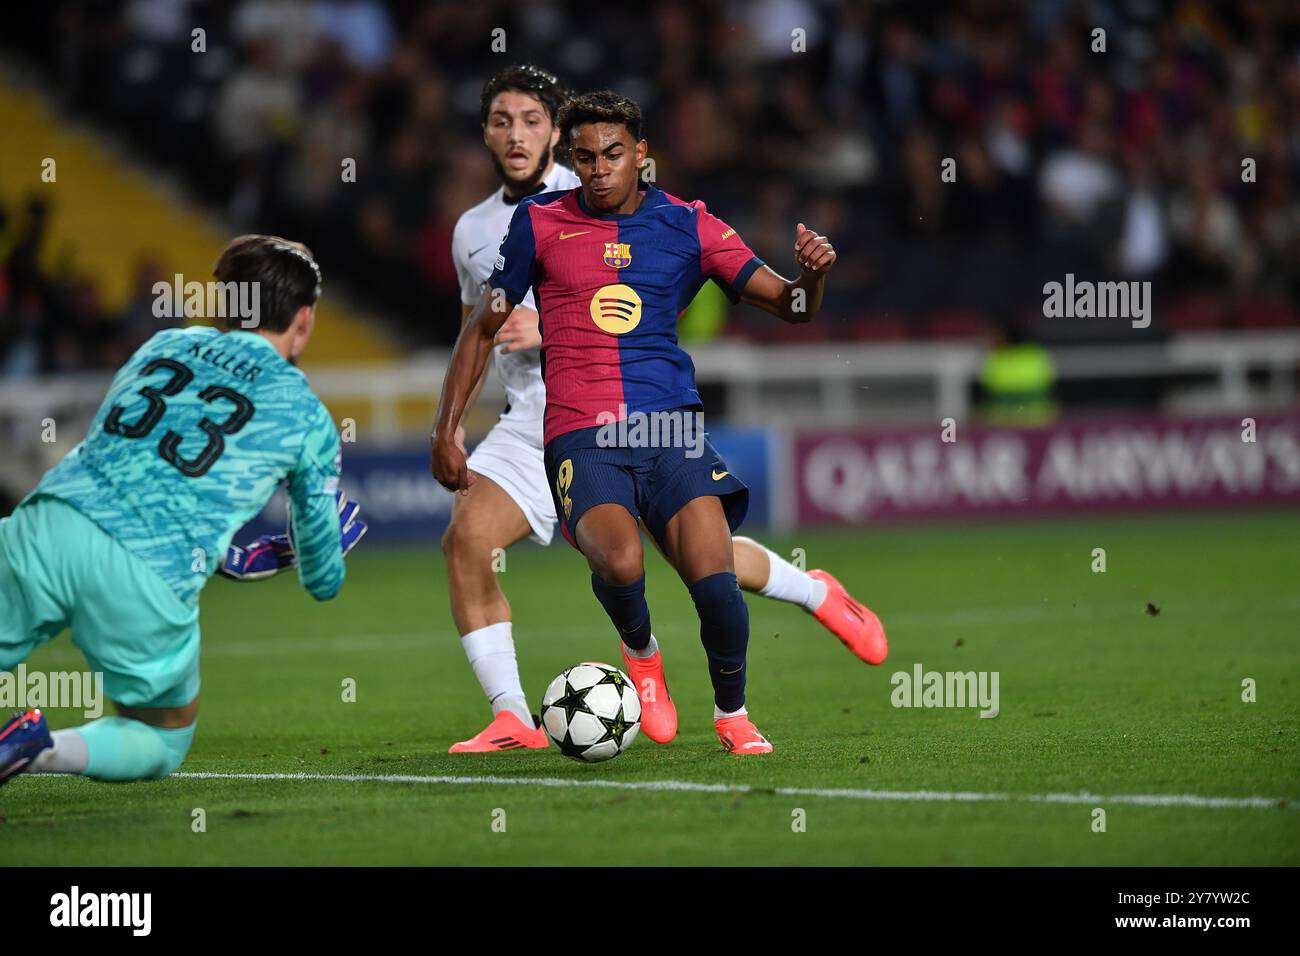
x,y
315,513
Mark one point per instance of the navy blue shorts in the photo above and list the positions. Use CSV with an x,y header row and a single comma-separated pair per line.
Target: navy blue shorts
x,y
653,484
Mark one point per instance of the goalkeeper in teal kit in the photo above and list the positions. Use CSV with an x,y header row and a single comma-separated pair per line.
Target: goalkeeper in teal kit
x,y
116,542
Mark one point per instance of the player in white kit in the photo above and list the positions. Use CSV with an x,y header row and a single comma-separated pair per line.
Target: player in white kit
x,y
510,498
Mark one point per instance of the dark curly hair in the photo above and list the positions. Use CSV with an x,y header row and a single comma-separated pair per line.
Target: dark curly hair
x,y
605,106
524,78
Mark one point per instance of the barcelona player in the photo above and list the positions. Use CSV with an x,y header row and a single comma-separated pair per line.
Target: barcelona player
x,y
199,427
509,497
611,266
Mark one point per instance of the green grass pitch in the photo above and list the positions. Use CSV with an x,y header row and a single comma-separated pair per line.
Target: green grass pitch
x,y
1099,696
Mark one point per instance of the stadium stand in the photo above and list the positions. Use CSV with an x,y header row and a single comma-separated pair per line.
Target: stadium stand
x,y
1127,164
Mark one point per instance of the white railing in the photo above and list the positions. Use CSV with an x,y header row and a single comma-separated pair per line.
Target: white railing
x,y
788,385
837,379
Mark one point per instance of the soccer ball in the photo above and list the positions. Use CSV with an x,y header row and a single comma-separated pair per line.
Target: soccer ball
x,y
591,712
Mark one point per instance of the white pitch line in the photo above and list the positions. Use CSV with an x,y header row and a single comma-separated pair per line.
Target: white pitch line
x,y
902,796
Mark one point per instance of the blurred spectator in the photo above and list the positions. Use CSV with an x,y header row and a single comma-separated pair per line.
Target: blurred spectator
x,y
139,323
54,320
361,27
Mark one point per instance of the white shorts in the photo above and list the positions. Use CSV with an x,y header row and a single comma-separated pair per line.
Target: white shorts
x,y
512,457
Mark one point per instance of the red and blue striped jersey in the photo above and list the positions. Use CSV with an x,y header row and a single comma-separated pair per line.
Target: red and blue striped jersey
x,y
609,290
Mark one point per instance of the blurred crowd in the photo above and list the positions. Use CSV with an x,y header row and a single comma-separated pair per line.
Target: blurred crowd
x,y
1122,163
54,320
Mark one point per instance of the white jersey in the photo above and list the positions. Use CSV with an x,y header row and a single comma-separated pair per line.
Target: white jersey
x,y
474,245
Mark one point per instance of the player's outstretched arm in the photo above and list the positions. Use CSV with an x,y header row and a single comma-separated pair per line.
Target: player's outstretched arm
x,y
318,513
465,311
794,300
468,361
519,332
323,528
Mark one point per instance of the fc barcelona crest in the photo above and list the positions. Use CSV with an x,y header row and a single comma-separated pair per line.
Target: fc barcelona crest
x,y
618,254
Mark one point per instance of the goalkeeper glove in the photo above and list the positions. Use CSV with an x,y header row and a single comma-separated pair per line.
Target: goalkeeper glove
x,y
272,553
351,528
267,555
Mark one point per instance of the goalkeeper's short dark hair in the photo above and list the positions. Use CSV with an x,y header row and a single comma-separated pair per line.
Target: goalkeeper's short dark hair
x,y
286,272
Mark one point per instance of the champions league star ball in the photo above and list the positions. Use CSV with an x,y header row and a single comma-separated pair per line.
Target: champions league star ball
x,y
591,712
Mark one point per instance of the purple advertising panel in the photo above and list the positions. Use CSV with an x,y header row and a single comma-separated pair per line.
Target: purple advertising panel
x,y
1116,464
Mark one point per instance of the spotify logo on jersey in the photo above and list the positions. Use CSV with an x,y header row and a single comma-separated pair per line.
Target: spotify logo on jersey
x,y
616,309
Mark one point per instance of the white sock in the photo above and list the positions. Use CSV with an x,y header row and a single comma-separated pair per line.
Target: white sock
x,y
647,651
491,652
719,714
68,755
787,583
